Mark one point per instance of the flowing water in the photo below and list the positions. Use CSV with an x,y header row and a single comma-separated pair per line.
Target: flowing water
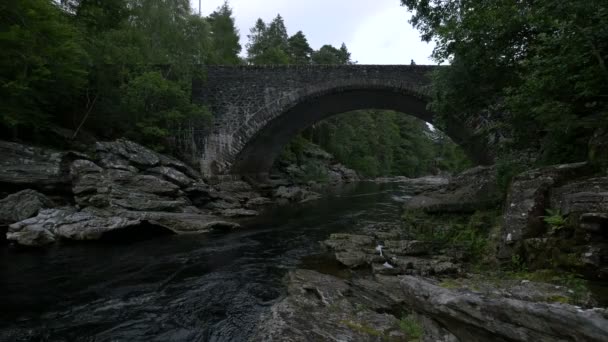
x,y
176,288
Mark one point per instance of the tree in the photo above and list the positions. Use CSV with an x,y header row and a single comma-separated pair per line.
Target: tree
x,y
328,54
299,50
225,36
268,44
543,63
42,64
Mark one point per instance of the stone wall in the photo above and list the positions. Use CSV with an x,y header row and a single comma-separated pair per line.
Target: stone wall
x,y
258,109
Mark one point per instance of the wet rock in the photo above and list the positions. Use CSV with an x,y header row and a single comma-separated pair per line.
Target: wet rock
x,y
68,223
586,196
172,175
238,212
472,190
23,167
258,202
133,152
22,205
386,269
183,223
345,242
354,259
321,308
426,266
94,186
472,317
527,202
594,222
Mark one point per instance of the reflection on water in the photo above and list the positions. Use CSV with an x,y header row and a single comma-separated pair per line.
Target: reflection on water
x,y
177,288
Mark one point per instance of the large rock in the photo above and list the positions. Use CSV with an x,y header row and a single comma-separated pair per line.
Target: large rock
x,y
112,153
473,317
472,190
527,202
346,242
320,307
578,197
68,223
183,223
22,205
123,189
23,167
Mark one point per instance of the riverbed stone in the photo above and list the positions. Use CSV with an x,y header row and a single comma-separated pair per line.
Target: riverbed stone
x,y
345,242
320,307
472,190
68,223
473,317
527,201
172,175
240,212
22,205
29,167
136,154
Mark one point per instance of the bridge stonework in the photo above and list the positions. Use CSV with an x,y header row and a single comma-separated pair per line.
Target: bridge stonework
x,y
258,109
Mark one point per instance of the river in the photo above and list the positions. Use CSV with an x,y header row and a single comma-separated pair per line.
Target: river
x,y
176,288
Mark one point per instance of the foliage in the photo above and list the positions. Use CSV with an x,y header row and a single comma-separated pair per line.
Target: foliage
x,y
165,106
555,219
113,68
410,325
224,37
42,63
545,60
468,232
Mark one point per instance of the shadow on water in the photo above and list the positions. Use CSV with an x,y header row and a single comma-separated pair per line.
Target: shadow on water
x,y
177,288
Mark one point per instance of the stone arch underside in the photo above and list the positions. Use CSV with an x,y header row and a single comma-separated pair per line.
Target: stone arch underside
x,y
261,138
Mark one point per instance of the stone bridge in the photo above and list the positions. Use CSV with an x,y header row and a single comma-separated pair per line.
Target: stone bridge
x,y
259,109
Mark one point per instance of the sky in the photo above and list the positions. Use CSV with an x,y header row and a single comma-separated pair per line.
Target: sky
x,y
375,31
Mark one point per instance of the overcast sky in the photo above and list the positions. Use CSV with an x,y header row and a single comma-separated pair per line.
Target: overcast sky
x,y
375,31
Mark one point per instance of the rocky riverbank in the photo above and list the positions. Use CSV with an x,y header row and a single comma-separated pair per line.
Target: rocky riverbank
x,y
460,266
122,187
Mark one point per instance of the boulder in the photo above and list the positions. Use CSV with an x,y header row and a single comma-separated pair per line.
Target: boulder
x,y
258,202
345,242
472,190
473,317
585,196
527,201
22,205
321,307
115,152
28,167
172,175
238,212
113,188
68,223
183,223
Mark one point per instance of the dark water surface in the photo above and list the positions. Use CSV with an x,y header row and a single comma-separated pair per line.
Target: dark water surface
x,y
176,288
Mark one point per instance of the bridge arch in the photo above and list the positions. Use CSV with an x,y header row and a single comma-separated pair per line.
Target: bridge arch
x,y
268,115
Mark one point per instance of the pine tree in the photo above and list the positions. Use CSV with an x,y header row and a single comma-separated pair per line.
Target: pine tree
x,y
225,36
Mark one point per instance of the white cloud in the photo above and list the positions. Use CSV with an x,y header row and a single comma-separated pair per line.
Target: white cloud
x,y
376,32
